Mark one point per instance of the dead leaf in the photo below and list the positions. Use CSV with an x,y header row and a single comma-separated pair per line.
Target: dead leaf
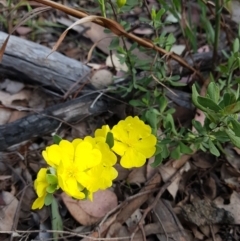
x,y
77,212
134,219
210,188
233,207
80,130
113,61
150,170
233,183
4,115
137,175
217,237
12,87
167,172
103,202
232,158
203,160
122,172
15,115
21,30
7,99
205,212
178,49
7,212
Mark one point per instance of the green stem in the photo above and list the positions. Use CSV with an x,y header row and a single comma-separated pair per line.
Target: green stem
x,y
217,31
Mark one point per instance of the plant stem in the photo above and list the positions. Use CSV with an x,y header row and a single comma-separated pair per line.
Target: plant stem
x,y
217,32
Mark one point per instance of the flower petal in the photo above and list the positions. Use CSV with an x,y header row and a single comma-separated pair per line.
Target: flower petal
x,y
119,147
108,157
39,202
132,158
52,155
67,150
102,132
147,146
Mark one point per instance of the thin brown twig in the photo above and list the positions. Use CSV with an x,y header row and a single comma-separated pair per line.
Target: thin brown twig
x,y
62,232
160,221
117,29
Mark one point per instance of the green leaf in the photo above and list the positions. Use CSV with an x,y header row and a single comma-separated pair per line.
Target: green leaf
x,y
57,223
213,149
52,171
221,136
51,179
48,199
169,123
163,102
234,139
236,127
208,103
114,43
175,154
157,161
229,98
195,96
158,149
165,151
110,139
52,188
177,84
198,126
236,45
185,149
231,109
152,119
56,139
213,92
137,103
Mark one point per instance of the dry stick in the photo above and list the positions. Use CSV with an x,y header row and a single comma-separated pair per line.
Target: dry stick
x,y
160,221
118,30
63,232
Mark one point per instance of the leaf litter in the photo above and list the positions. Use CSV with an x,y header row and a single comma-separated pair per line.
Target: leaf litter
x,y
191,188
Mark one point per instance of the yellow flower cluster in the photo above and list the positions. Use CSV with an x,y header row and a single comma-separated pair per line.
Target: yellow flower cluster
x,y
84,166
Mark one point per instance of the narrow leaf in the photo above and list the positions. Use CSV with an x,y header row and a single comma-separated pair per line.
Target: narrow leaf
x,y
208,103
110,139
213,149
234,139
213,92
185,149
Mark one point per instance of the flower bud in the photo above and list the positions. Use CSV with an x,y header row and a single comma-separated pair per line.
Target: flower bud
x,y
121,3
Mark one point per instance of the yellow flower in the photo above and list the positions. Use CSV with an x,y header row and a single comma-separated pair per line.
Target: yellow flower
x,y
101,134
108,157
78,157
133,141
40,185
99,177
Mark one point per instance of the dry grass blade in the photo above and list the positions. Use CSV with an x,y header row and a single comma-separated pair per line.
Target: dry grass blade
x,y
2,50
89,56
78,22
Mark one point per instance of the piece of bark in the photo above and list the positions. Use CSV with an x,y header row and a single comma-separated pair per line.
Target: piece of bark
x,y
41,123
27,61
